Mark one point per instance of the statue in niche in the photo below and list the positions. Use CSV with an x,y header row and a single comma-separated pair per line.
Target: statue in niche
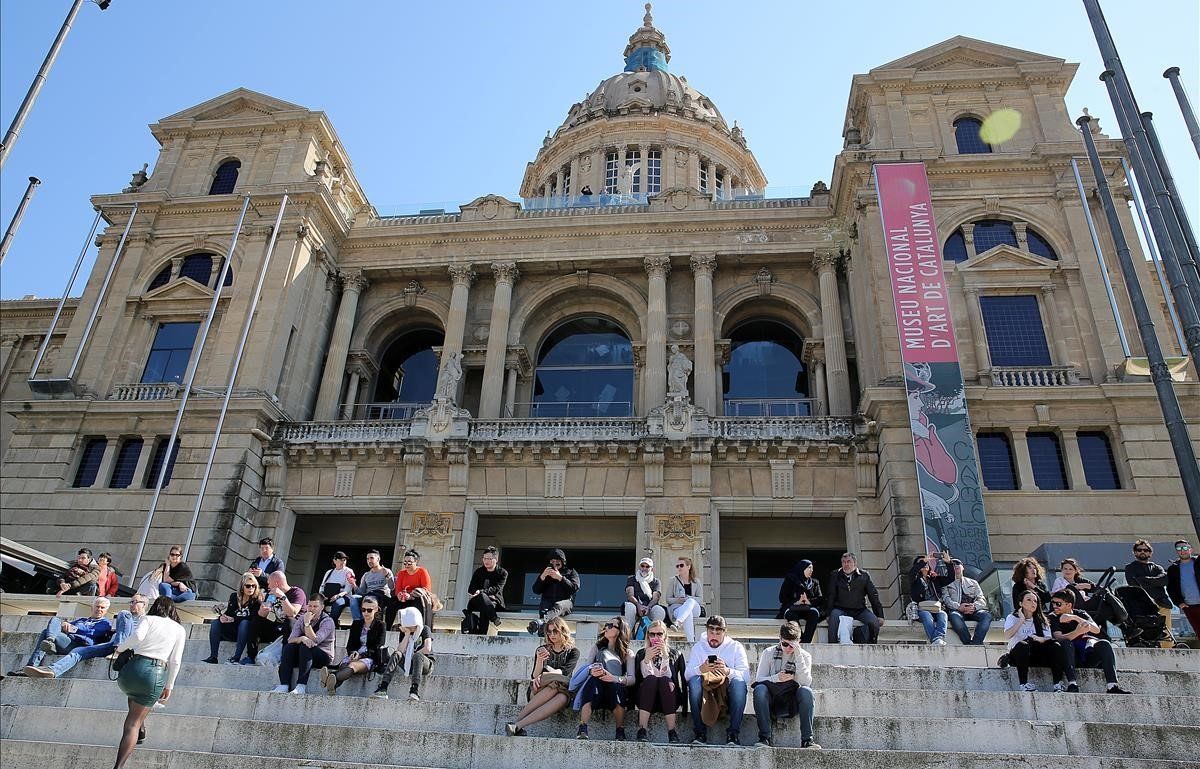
x,y
625,180
679,368
451,374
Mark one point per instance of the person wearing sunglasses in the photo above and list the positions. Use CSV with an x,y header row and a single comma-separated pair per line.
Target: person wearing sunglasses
x,y
413,656
687,598
717,661
366,648
1183,583
177,577
1079,635
643,596
337,586
609,665
658,682
553,664
1030,642
235,622
782,687
414,588
1151,577
125,623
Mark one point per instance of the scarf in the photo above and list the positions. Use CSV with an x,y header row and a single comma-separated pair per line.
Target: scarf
x,y
645,583
410,616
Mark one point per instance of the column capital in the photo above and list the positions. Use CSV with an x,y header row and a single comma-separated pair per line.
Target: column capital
x,y
657,266
826,260
1048,289
461,274
354,280
505,272
973,291
703,264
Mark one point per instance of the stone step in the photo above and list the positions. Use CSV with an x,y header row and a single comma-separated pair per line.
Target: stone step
x,y
484,752
346,708
298,729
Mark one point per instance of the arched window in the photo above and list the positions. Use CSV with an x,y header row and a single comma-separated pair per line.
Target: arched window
x,y
765,375
228,275
966,135
408,373
225,177
1040,246
584,368
198,267
955,249
989,233
161,279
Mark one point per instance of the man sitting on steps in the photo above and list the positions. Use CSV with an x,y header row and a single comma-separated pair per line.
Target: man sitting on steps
x,y
850,588
557,585
91,633
964,600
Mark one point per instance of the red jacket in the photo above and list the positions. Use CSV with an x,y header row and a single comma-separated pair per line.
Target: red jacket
x,y
107,584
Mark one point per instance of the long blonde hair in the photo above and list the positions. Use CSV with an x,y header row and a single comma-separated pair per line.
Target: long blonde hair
x,y
564,632
658,624
693,574
244,599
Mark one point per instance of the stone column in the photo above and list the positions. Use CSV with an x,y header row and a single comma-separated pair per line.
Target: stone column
x,y
837,370
351,394
1020,447
596,177
1054,328
657,268
693,170
456,323
497,344
821,395
983,360
510,393
558,183
705,368
339,347
1076,477
710,169
576,180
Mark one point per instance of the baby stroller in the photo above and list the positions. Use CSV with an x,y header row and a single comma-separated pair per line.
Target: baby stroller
x,y
1142,626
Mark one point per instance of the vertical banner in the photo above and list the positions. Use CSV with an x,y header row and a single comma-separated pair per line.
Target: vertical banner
x,y
947,468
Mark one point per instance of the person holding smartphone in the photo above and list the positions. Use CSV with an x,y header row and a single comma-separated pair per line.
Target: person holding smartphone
x,y
1031,642
717,661
782,687
557,585
658,682
235,622
553,664
610,673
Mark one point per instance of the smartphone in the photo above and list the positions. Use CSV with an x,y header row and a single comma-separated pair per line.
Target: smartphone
x,y
712,659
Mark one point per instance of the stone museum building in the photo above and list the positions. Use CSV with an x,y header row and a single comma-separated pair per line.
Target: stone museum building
x,y
648,353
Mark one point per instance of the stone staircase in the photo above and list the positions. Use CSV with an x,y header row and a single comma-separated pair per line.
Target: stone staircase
x,y
901,705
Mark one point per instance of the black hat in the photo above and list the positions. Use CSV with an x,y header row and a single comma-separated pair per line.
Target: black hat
x,y
558,554
339,556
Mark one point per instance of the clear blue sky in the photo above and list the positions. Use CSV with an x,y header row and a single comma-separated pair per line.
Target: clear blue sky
x,y
442,102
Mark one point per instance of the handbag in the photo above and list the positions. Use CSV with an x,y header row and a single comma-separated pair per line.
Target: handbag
x,y
933,607
272,654
118,663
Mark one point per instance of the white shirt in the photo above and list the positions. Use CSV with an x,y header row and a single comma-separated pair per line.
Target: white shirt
x,y
731,652
160,639
1026,630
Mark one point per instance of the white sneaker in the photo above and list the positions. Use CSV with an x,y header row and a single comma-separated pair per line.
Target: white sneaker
x,y
1029,687
414,696
938,642
281,689
300,689
1060,687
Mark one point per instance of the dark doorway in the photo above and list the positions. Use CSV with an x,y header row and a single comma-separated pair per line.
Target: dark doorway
x,y
765,570
356,560
602,575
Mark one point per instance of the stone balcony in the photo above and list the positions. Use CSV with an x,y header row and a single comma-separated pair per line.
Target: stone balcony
x,y
158,391
1034,376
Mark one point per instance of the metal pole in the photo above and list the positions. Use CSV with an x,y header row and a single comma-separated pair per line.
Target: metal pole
x,y
1108,289
39,80
237,362
112,268
1185,106
1160,375
16,220
1155,258
188,377
41,353
1185,225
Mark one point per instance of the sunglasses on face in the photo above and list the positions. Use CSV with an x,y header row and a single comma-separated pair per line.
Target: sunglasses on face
x,y
1142,550
611,626
1181,548
368,609
175,555
1057,604
680,565
656,634
552,631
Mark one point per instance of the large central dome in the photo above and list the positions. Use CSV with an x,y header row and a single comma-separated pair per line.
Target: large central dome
x,y
639,133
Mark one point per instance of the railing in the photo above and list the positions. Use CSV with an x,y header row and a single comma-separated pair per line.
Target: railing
x,y
772,407
578,409
363,431
573,429
381,411
157,391
1034,376
786,428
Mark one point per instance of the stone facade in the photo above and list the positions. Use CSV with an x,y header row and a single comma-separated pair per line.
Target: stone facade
x,y
309,457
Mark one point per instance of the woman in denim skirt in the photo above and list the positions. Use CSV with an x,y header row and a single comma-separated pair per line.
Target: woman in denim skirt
x,y
157,646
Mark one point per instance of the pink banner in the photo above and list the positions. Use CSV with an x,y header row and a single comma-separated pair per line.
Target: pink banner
x,y
915,260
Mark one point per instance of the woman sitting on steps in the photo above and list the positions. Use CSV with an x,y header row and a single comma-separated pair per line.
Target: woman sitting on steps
x,y
553,664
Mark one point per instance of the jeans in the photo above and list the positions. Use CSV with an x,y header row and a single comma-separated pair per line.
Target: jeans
x,y
87,588
419,666
548,610
1099,655
737,704
1028,654
762,711
865,616
302,659
809,615
77,654
630,610
63,643
176,595
339,605
983,621
935,624
239,630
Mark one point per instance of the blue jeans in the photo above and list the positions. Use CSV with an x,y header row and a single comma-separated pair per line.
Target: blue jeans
x,y
983,621
762,711
935,624
178,596
63,643
77,654
239,630
340,605
737,704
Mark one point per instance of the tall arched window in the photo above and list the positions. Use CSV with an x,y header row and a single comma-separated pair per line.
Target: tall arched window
x,y
198,267
408,373
765,375
989,233
584,368
966,135
161,279
225,177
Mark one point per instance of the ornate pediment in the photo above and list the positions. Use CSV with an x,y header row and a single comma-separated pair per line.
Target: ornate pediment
x,y
963,53
178,290
488,208
238,103
1005,257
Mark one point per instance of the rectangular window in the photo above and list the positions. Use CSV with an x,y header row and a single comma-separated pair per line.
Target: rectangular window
x,y
1014,330
1045,454
996,462
654,172
703,175
720,190
566,172
127,459
1099,464
611,160
156,462
89,462
170,352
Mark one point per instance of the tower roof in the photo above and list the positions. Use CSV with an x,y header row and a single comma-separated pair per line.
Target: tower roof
x,y
647,49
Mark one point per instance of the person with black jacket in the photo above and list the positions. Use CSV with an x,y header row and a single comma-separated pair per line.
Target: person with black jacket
x,y
236,621
800,599
1147,574
1183,583
1031,642
485,595
923,591
366,648
1029,575
850,589
659,681
557,585
1080,637
266,563
177,577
